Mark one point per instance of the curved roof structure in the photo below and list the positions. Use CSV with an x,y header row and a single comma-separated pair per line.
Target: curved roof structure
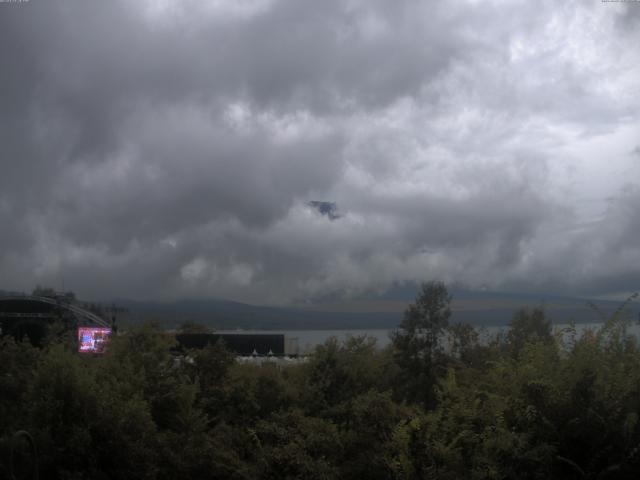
x,y
29,306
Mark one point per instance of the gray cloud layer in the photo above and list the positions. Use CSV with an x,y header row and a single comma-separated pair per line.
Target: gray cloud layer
x,y
163,149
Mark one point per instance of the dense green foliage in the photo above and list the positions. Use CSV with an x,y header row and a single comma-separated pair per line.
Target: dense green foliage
x,y
531,403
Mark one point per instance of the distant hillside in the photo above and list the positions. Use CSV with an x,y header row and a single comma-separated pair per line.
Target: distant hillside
x,y
367,312
225,315
371,311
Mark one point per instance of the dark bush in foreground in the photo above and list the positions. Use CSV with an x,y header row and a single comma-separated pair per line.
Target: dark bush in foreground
x,y
531,404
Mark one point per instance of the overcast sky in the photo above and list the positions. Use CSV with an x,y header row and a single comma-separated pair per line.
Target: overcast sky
x,y
168,149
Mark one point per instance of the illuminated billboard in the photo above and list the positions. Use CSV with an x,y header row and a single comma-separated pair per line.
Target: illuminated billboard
x,y
93,339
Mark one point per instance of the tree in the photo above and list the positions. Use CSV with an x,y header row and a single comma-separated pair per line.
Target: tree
x,y
294,446
529,326
366,428
416,342
338,372
465,345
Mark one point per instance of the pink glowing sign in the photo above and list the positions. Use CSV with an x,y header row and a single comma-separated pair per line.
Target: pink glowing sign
x,y
93,339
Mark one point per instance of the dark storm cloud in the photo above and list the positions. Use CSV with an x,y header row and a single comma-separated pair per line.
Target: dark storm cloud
x,y
601,257
166,148
328,209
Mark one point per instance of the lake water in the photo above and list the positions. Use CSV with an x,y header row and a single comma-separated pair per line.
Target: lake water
x,y
307,340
